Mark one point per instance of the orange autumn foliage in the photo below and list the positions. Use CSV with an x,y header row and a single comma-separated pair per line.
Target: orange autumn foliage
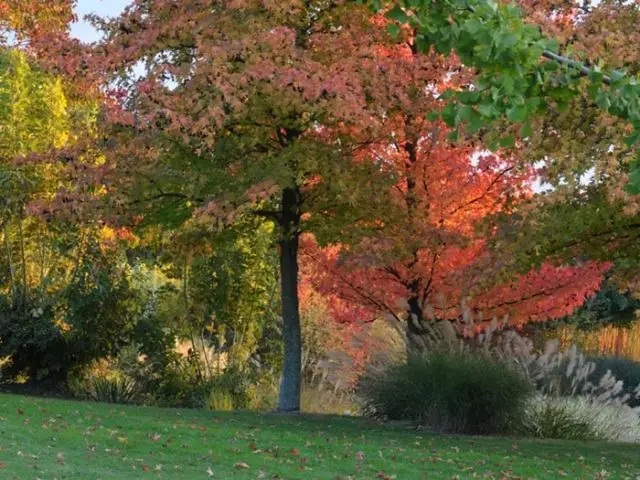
x,y
434,255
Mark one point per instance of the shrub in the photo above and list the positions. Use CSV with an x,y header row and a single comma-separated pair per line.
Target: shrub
x,y
179,384
327,402
622,369
238,385
113,390
220,400
34,346
467,392
547,417
568,373
579,418
313,399
266,396
105,307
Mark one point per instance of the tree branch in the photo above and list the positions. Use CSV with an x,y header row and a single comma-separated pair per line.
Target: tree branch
x,y
161,195
584,70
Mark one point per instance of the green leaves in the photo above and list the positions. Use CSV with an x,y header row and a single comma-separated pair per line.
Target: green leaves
x,y
507,141
633,138
633,186
393,29
398,14
517,113
512,81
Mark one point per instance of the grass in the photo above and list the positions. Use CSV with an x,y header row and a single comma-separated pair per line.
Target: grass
x,y
55,439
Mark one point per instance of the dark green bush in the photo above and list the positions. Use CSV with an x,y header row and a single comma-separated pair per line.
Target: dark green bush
x,y
113,390
623,369
30,338
449,391
177,384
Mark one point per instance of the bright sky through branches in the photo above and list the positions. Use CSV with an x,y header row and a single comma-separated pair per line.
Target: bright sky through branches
x,y
82,29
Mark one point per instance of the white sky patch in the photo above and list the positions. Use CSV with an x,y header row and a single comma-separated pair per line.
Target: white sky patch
x,y
82,29
587,177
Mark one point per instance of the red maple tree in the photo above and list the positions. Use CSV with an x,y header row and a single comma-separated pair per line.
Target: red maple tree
x,y
433,260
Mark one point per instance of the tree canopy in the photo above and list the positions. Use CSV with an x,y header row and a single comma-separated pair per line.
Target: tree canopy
x,y
407,134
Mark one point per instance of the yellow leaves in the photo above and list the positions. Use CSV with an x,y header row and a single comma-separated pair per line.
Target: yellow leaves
x,y
101,191
106,235
34,117
63,326
35,17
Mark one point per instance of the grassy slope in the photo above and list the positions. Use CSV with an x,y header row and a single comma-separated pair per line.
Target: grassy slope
x,y
50,439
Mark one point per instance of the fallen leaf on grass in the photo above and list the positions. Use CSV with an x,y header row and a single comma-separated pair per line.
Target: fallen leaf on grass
x,y
155,437
209,472
360,455
240,465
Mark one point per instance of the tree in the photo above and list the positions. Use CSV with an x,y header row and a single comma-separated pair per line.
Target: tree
x,y
436,249
583,148
34,18
228,289
65,298
34,118
241,107
520,70
436,259
609,307
578,118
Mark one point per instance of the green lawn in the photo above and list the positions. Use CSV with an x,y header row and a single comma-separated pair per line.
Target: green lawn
x,y
53,439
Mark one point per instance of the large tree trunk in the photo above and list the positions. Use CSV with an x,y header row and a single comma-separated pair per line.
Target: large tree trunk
x,y
289,401
415,327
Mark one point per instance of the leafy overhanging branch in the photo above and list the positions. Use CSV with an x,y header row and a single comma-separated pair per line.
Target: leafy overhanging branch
x,y
512,81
